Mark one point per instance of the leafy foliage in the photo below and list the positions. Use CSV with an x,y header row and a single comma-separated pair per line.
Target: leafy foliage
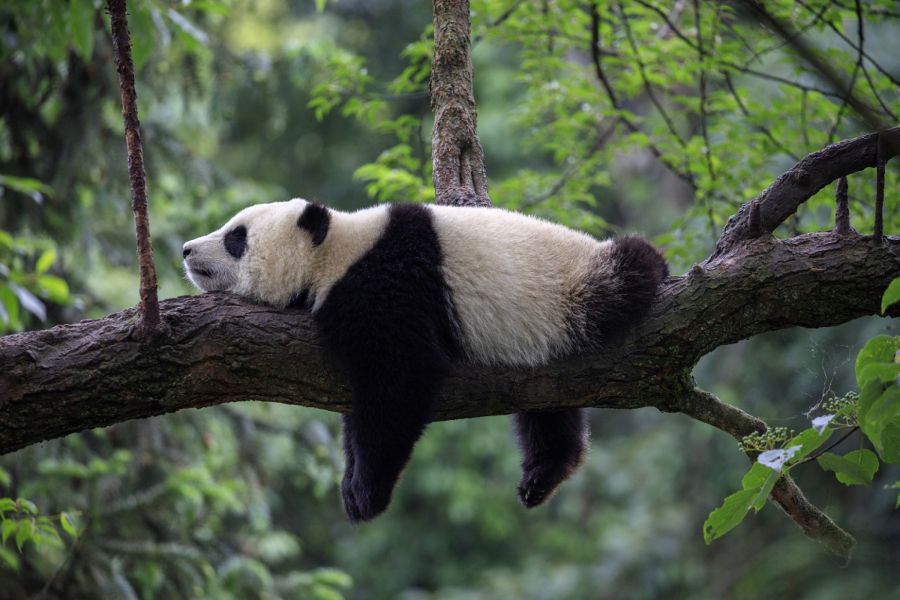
x,y
875,411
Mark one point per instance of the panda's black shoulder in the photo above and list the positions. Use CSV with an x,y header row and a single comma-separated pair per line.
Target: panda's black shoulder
x,y
409,241
394,297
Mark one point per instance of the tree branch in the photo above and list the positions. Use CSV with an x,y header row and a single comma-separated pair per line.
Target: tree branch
x,y
224,349
781,199
818,526
458,170
149,323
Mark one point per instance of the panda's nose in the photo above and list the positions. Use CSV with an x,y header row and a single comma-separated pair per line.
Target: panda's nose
x,y
186,251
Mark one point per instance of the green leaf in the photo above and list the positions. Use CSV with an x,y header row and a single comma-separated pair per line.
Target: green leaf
x,y
809,440
891,295
24,533
27,506
880,371
10,558
756,476
56,289
763,494
29,301
45,261
729,515
868,395
856,468
27,186
880,349
7,527
333,577
10,305
884,409
67,524
81,19
8,505
890,439
761,479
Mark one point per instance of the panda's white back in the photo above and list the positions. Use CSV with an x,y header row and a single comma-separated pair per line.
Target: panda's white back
x,y
515,281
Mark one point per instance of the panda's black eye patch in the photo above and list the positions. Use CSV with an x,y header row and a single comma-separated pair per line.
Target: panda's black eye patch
x,y
236,241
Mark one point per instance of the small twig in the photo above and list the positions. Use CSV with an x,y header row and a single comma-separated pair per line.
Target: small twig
x,y
701,55
860,33
642,69
118,20
685,176
803,126
676,12
572,170
779,45
669,21
65,559
595,56
762,128
703,406
822,451
499,20
850,43
799,44
784,81
506,14
843,107
842,208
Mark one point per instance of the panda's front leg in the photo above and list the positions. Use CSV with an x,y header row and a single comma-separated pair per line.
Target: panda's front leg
x,y
379,436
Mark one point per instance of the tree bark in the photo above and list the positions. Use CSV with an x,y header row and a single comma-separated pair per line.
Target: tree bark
x,y
458,170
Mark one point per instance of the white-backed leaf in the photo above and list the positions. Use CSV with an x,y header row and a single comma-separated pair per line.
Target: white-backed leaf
x,y
775,459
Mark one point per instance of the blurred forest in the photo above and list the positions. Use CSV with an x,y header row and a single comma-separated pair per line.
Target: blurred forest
x,y
644,116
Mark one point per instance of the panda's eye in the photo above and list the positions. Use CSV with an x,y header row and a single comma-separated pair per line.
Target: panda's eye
x,y
236,241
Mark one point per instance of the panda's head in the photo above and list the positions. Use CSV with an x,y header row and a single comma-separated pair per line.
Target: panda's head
x,y
266,252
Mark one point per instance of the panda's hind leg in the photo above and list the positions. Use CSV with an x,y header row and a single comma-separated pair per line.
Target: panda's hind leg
x,y
553,445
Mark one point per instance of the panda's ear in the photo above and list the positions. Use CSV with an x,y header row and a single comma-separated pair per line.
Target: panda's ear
x,y
315,218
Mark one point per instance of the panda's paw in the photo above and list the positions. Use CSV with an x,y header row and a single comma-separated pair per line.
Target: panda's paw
x,y
364,502
537,486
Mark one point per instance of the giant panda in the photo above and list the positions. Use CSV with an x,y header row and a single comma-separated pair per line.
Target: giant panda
x,y
401,293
